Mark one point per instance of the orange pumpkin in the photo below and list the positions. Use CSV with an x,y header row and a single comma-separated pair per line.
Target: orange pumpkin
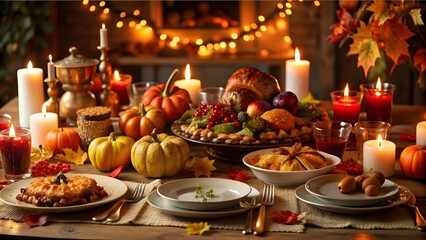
x,y
173,100
139,121
60,138
413,161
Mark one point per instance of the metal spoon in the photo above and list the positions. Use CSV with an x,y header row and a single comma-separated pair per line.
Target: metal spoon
x,y
420,220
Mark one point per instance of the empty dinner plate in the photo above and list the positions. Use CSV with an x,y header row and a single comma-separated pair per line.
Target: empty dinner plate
x,y
182,193
326,189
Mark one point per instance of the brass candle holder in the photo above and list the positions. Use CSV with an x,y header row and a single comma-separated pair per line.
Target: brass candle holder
x,y
107,97
52,104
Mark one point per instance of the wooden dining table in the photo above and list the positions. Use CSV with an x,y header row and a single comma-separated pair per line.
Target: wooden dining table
x,y
404,120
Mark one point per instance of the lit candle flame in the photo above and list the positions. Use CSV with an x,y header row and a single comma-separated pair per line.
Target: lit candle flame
x,y
50,58
379,140
187,73
103,25
346,91
12,131
297,55
116,75
30,65
378,87
43,110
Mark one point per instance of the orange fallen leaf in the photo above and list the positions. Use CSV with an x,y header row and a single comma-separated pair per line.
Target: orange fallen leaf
x,y
202,166
77,157
197,228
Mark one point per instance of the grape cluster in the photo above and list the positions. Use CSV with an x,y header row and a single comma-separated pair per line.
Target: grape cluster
x,y
350,166
44,168
217,114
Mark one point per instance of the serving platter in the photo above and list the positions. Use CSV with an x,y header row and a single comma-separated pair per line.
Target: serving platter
x,y
226,193
236,152
155,200
401,197
114,187
326,189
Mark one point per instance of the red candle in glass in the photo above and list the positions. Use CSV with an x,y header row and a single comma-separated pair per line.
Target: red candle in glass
x,y
120,84
15,149
379,101
346,105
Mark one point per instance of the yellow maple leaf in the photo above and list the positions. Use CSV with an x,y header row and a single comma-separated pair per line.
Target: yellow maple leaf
x,y
78,157
39,154
379,8
417,16
202,166
197,228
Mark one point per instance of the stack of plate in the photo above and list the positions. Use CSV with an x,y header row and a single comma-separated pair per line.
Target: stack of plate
x,y
322,192
179,198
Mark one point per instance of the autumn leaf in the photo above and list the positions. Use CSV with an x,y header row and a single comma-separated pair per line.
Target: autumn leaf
x,y
39,154
78,157
346,25
417,16
197,228
380,10
287,217
202,166
34,220
420,59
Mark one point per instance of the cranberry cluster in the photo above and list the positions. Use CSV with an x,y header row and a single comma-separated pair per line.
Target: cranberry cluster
x,y
220,113
350,166
44,168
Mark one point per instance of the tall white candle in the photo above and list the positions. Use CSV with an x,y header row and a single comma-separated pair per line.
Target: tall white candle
x,y
297,76
104,36
40,125
421,133
379,155
193,86
50,69
30,93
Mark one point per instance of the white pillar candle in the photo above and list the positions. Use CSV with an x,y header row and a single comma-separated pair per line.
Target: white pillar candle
x,y
379,155
30,93
104,36
40,125
421,133
193,86
297,76
50,69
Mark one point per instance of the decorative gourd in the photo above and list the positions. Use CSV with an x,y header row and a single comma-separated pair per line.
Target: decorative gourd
x,y
159,155
413,161
60,138
108,153
139,121
173,100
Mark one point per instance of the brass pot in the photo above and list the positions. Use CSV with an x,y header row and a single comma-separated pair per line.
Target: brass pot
x,y
76,69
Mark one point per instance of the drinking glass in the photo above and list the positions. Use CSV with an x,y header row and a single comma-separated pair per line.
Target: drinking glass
x,y
369,130
332,137
211,95
137,90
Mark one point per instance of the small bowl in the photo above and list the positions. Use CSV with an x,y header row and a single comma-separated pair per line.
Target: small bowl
x,y
288,178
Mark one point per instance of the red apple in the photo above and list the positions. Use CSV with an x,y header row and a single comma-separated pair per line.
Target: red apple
x,y
286,100
258,107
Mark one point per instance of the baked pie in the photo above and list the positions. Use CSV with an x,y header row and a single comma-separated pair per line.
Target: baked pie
x,y
59,191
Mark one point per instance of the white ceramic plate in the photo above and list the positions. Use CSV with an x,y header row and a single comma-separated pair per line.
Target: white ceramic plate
x,y
288,178
326,188
115,189
181,193
164,205
401,197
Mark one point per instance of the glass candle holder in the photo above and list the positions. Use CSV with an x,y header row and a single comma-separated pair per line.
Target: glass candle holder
x,y
369,130
346,108
121,84
15,149
379,101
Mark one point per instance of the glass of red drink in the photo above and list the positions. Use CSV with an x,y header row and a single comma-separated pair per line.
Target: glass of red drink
x,y
332,137
15,153
5,121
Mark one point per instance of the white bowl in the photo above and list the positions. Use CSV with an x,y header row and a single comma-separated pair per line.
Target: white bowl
x,y
288,178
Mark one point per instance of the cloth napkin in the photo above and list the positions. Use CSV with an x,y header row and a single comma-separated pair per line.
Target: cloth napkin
x,y
141,213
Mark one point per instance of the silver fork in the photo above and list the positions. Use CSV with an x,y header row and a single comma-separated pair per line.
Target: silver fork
x,y
136,196
268,196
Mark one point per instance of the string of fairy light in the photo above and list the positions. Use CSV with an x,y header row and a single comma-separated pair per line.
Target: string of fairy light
x,y
135,19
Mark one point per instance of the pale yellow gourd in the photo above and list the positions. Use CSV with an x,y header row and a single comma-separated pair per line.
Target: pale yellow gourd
x,y
159,155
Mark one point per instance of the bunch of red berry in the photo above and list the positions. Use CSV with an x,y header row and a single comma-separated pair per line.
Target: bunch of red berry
x,y
219,113
350,166
44,168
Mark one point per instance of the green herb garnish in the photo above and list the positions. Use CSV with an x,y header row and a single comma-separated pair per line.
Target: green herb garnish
x,y
203,195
